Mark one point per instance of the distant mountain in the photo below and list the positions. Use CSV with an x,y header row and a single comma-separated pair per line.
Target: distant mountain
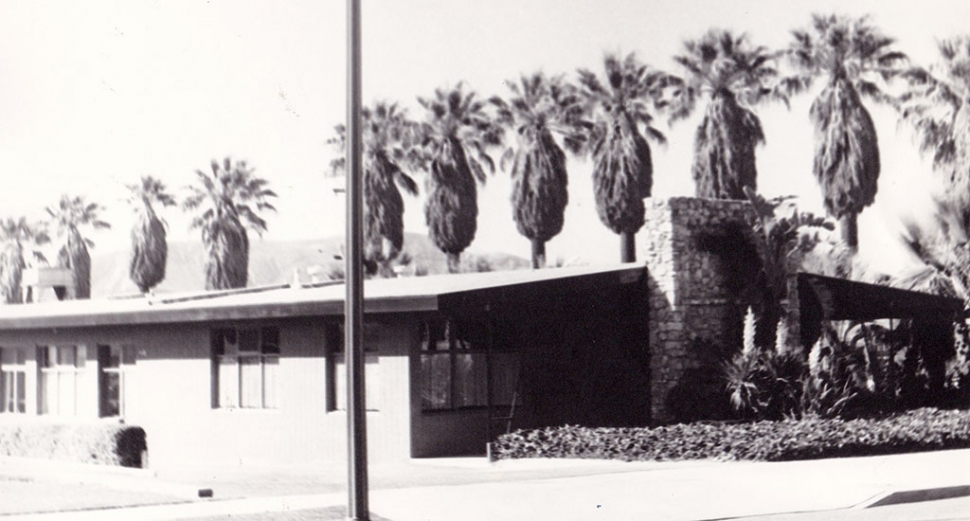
x,y
274,262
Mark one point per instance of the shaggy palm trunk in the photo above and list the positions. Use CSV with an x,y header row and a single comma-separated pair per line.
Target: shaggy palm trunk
x,y
454,262
538,254
628,247
149,251
11,274
724,149
74,256
227,258
849,229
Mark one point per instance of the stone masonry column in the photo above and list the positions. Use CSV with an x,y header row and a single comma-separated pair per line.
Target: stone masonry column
x,y
687,295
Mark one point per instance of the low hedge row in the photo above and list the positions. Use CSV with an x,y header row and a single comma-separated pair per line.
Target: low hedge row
x,y
101,444
913,431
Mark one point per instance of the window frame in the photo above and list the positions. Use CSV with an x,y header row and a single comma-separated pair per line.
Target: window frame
x,y
336,371
51,367
16,372
230,357
127,358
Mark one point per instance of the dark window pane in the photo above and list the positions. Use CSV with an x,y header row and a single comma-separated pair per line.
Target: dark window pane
x,y
248,340
436,381
271,340
112,394
470,389
66,355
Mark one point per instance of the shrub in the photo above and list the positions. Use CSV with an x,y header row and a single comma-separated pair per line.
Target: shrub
x,y
100,444
810,438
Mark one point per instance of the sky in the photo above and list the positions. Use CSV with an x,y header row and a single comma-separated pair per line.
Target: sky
x,y
97,94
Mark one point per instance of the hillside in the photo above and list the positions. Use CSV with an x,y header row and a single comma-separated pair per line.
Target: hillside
x,y
270,262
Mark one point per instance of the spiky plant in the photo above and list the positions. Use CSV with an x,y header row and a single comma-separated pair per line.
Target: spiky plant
x,y
622,110
19,238
734,76
389,147
457,135
537,108
226,203
935,106
149,246
68,218
855,59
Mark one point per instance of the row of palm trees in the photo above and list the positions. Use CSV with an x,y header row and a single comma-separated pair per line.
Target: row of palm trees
x,y
610,119
226,202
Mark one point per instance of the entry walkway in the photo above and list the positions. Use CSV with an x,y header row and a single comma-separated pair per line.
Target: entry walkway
x,y
472,489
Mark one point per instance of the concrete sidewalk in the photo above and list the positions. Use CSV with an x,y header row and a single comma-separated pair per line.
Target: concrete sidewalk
x,y
472,489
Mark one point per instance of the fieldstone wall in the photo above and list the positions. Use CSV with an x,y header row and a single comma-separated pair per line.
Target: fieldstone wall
x,y
688,294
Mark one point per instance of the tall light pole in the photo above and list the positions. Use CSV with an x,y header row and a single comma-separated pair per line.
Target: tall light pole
x,y
354,302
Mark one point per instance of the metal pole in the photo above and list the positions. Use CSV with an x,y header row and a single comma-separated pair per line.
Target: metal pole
x,y
354,302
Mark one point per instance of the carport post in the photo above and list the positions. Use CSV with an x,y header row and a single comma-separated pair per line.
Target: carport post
x,y
357,508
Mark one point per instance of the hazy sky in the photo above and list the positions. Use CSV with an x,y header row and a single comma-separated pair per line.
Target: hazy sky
x,y
96,94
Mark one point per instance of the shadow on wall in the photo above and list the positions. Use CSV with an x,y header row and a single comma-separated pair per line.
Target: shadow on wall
x,y
585,360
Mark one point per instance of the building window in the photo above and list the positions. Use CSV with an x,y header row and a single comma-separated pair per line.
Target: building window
x,y
13,373
245,367
337,372
61,375
114,362
454,374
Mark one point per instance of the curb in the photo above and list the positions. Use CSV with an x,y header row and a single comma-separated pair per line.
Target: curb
x,y
900,497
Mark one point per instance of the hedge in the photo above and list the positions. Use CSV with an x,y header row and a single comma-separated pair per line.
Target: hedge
x,y
912,431
101,444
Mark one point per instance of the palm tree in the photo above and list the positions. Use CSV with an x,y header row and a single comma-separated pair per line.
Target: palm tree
x,y
16,234
735,76
224,204
389,139
149,248
622,165
457,134
935,106
854,58
70,215
537,108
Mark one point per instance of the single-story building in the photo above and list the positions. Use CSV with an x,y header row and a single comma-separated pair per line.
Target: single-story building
x,y
257,376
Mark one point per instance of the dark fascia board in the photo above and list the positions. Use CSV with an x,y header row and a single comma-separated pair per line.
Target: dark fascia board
x,y
481,299
840,299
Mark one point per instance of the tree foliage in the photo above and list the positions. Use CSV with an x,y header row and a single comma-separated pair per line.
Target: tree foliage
x,y
149,246
622,110
455,140
734,76
226,203
537,108
390,146
855,60
68,218
935,106
20,240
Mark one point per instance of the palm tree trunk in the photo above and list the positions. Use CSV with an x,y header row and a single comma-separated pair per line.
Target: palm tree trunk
x,y
538,254
628,247
849,228
454,262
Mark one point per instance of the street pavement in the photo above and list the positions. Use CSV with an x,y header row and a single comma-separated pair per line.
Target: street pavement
x,y
474,489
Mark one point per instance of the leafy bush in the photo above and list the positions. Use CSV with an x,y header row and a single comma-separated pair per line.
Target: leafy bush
x,y
810,438
100,444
